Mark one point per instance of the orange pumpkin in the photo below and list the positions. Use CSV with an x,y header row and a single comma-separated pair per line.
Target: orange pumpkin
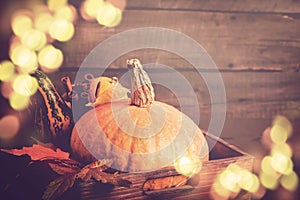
x,y
138,133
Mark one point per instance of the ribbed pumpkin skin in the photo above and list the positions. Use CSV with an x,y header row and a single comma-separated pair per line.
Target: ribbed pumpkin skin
x,y
117,119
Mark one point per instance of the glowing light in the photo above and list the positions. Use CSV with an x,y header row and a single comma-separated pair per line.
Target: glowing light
x,y
18,101
34,39
21,22
290,182
283,148
278,134
55,4
50,58
281,163
43,21
25,85
267,167
188,165
284,123
6,89
61,30
229,180
248,181
9,126
24,58
268,181
89,9
67,12
7,70
108,15
219,192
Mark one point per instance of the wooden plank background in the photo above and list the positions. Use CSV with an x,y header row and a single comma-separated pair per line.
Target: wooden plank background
x,y
255,45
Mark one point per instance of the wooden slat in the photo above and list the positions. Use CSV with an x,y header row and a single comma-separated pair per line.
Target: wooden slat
x,y
286,6
248,94
235,41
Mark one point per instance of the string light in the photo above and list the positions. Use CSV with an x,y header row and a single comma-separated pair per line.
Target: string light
x,y
18,101
34,39
43,21
50,58
66,12
25,58
25,84
55,4
188,165
7,70
89,9
21,22
108,15
61,30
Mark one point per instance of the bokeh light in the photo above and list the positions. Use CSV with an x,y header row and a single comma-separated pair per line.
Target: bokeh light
x,y
108,15
43,21
21,21
283,122
89,9
6,89
34,39
248,181
283,148
61,30
9,126
278,134
268,181
18,101
290,182
50,58
67,12
25,84
7,70
25,58
281,163
188,165
55,4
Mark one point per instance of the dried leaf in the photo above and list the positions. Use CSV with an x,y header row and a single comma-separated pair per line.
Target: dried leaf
x,y
71,171
57,187
38,152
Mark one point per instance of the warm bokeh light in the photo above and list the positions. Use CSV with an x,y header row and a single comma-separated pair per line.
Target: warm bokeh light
x,y
18,101
290,182
108,15
89,9
283,148
67,12
9,126
268,181
21,22
229,180
43,21
281,163
34,39
284,123
61,30
267,167
6,89
278,134
218,192
248,181
25,58
7,70
50,58
55,4
188,165
25,84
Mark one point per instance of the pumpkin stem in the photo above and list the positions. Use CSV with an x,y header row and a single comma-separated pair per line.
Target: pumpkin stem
x,y
142,92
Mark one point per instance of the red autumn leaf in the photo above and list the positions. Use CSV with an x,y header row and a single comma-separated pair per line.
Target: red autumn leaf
x,y
38,152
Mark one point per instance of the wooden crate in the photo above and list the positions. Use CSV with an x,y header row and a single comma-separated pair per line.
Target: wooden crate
x,y
221,156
